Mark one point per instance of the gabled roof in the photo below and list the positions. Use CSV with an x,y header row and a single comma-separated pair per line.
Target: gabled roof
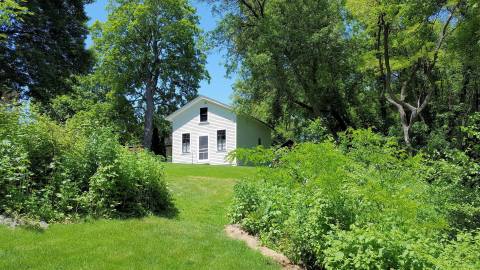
x,y
201,98
195,101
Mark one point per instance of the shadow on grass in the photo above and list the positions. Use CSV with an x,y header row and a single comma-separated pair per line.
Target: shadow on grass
x,y
33,228
168,210
129,210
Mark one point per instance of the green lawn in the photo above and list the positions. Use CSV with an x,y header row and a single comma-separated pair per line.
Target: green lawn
x,y
194,239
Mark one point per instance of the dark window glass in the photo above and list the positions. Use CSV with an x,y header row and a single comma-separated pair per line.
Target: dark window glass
x,y
221,140
203,114
186,143
259,141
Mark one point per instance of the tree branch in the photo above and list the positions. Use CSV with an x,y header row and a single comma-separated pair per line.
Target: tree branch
x,y
250,8
443,35
303,105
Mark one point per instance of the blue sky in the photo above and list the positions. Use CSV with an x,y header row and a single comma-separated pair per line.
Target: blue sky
x,y
220,88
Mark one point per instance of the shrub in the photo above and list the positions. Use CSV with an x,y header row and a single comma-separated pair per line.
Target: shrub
x,y
258,156
55,172
361,204
14,175
461,252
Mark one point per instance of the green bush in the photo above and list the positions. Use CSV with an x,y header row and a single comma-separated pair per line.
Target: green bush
x,y
461,252
363,203
57,173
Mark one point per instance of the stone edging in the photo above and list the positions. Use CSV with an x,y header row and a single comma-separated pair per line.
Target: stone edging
x,y
236,232
12,223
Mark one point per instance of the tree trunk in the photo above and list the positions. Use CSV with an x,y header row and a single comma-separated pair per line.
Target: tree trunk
x,y
148,126
466,82
382,103
406,134
381,81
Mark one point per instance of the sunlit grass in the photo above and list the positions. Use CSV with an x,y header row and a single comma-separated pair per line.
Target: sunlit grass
x,y
194,239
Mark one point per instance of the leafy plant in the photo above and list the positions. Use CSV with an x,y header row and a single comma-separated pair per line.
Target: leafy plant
x,y
56,173
363,203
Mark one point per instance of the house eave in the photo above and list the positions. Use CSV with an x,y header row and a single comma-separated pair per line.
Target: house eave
x,y
173,115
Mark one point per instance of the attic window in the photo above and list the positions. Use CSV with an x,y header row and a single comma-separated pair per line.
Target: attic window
x,y
204,114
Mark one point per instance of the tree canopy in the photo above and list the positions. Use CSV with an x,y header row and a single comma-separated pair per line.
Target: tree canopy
x,y
43,46
150,51
404,68
290,64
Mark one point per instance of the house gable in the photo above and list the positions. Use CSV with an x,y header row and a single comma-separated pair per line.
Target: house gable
x,y
195,101
222,122
187,121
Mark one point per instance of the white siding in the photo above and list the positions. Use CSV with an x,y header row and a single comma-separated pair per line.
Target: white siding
x,y
188,121
250,130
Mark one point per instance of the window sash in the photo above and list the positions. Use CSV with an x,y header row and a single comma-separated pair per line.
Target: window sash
x,y
203,147
221,140
204,114
186,143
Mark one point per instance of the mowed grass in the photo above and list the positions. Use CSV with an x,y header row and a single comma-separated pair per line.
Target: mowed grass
x,y
194,239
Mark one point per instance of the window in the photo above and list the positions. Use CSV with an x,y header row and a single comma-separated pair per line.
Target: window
x,y
221,140
259,141
203,147
204,114
186,143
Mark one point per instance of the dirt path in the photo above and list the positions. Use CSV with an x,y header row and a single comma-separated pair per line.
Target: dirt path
x,y
235,232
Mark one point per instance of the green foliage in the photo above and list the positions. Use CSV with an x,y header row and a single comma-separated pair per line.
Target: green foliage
x,y
315,131
375,247
42,47
290,68
10,11
258,156
461,253
194,240
54,172
407,66
151,52
472,135
457,177
361,204
14,173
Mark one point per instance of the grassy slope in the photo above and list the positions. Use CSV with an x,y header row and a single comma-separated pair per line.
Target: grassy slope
x,y
192,240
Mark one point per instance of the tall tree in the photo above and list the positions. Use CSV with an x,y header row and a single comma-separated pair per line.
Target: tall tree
x,y
150,51
466,44
41,49
294,56
408,38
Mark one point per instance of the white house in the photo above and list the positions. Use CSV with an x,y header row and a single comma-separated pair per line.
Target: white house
x,y
204,131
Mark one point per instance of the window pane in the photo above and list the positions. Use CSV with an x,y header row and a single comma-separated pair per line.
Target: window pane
x,y
186,142
221,140
203,142
203,114
203,147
